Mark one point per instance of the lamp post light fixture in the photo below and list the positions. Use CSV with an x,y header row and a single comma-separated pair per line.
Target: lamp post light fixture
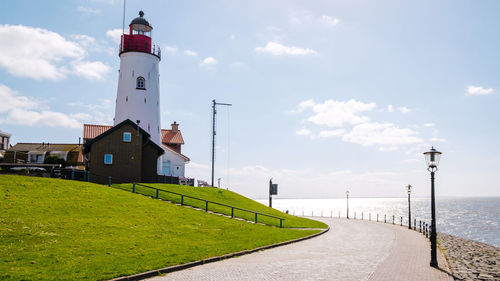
x,y
432,158
347,195
408,188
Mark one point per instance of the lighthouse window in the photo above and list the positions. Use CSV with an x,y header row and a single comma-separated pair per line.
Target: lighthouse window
x,y
141,83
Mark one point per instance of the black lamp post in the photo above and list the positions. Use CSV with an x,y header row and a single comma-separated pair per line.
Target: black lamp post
x,y
409,206
347,195
432,158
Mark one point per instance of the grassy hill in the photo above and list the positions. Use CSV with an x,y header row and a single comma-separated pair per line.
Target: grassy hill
x,y
226,197
64,230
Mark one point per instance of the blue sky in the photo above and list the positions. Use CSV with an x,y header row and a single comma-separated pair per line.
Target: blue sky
x,y
327,95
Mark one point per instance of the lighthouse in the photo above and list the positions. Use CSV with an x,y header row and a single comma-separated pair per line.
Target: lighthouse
x,y
138,95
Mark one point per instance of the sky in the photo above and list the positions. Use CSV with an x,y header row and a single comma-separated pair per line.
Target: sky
x,y
327,96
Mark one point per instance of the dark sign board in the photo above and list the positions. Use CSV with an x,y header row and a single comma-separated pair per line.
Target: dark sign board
x,y
273,189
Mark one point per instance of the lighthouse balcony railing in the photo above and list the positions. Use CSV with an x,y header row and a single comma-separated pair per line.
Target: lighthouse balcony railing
x,y
140,46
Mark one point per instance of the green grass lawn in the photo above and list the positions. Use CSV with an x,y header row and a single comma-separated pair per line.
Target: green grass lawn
x,y
65,230
226,197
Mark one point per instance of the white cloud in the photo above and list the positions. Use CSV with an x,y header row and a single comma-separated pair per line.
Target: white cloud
x,y
437,140
88,10
232,36
238,65
478,91
329,21
390,108
303,132
208,62
42,54
190,53
382,134
331,133
336,113
404,109
305,182
21,110
95,70
170,49
276,49
115,35
273,28
429,125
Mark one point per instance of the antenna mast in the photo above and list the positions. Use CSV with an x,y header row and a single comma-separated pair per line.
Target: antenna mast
x,y
123,25
214,112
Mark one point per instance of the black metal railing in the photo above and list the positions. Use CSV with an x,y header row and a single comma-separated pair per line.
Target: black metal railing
x,y
422,226
175,197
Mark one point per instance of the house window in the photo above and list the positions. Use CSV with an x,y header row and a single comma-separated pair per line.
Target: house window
x,y
127,137
108,159
141,83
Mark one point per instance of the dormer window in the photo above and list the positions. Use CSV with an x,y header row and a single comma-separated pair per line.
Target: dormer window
x,y
141,83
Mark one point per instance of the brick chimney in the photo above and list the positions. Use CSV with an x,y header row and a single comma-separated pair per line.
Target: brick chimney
x,y
175,127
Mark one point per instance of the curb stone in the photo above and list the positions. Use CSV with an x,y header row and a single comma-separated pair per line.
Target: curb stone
x,y
156,272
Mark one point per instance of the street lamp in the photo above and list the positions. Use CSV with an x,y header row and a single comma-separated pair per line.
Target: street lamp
x,y
409,208
347,195
432,158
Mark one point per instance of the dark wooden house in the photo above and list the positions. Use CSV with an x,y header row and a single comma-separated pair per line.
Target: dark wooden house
x,y
125,152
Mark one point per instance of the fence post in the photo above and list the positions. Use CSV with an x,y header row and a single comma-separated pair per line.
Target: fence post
x,y
331,214
72,174
109,181
370,215
420,226
339,214
157,191
401,221
377,217
415,224
255,217
361,215
385,218
182,200
232,212
392,219
206,206
281,223
354,215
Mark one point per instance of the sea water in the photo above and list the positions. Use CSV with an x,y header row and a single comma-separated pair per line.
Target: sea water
x,y
475,218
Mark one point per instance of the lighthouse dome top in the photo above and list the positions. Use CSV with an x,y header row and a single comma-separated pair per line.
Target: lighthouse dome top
x,y
141,24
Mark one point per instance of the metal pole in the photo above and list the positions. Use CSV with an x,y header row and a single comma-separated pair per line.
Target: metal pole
x,y
213,139
347,205
270,197
214,112
409,211
434,262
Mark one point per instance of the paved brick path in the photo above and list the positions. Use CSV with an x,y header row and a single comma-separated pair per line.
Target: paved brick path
x,y
351,250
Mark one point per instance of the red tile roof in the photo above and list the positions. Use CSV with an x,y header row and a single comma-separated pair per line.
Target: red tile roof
x,y
92,131
167,136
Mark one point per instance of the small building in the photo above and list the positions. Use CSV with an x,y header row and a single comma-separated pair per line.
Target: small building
x,y
4,143
124,152
173,160
36,153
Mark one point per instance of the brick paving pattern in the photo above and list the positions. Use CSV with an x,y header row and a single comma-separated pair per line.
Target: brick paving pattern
x,y
351,250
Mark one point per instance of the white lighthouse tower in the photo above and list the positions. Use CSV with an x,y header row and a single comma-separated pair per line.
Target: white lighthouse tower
x,y
138,96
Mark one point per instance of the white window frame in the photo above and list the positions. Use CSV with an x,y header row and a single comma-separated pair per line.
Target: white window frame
x,y
110,162
129,134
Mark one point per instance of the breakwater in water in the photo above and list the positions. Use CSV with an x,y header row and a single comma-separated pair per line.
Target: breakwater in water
x,y
470,260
